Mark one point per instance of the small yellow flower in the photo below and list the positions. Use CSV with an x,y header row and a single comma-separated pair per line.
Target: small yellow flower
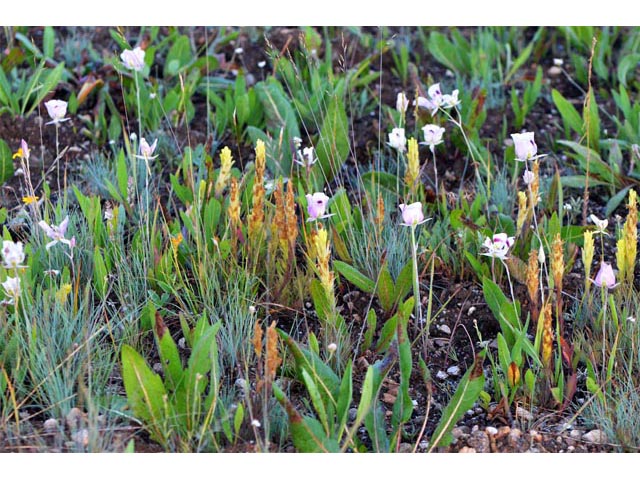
x,y
176,241
63,293
30,199
18,154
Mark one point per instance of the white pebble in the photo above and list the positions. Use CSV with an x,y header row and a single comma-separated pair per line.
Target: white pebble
x,y
454,370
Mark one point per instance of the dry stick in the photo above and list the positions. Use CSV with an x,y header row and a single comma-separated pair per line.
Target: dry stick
x,y
53,165
587,124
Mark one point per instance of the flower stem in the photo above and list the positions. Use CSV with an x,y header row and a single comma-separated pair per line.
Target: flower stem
x,y
416,283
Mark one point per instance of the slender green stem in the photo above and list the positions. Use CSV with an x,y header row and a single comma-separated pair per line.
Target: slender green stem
x,y
416,282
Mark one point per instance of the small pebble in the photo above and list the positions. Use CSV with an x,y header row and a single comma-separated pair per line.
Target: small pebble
x,y
81,437
576,434
554,71
73,418
480,441
444,329
454,370
405,448
491,430
467,450
441,375
535,436
471,310
457,432
424,444
524,414
51,425
595,436
570,448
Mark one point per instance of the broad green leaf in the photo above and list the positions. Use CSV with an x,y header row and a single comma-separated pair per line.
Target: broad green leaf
x,y
316,400
354,276
592,121
372,321
522,58
614,202
344,398
306,432
387,333
169,355
48,41
627,64
386,289
568,112
465,396
326,379
404,282
495,300
179,56
6,162
145,391
320,301
579,181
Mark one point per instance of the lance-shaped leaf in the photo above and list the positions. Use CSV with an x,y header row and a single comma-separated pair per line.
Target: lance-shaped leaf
x,y
463,399
306,432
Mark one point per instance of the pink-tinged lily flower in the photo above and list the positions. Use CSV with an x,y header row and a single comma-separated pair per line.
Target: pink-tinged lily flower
x,y
316,206
432,135
525,146
498,245
306,157
133,59
528,177
437,99
11,287
146,150
12,254
412,214
605,278
56,109
24,148
57,233
397,139
435,93
450,101
601,225
402,102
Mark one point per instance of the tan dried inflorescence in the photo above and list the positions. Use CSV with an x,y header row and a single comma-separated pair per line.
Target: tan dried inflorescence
x,y
557,262
256,217
413,165
234,204
533,278
273,360
380,213
547,334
